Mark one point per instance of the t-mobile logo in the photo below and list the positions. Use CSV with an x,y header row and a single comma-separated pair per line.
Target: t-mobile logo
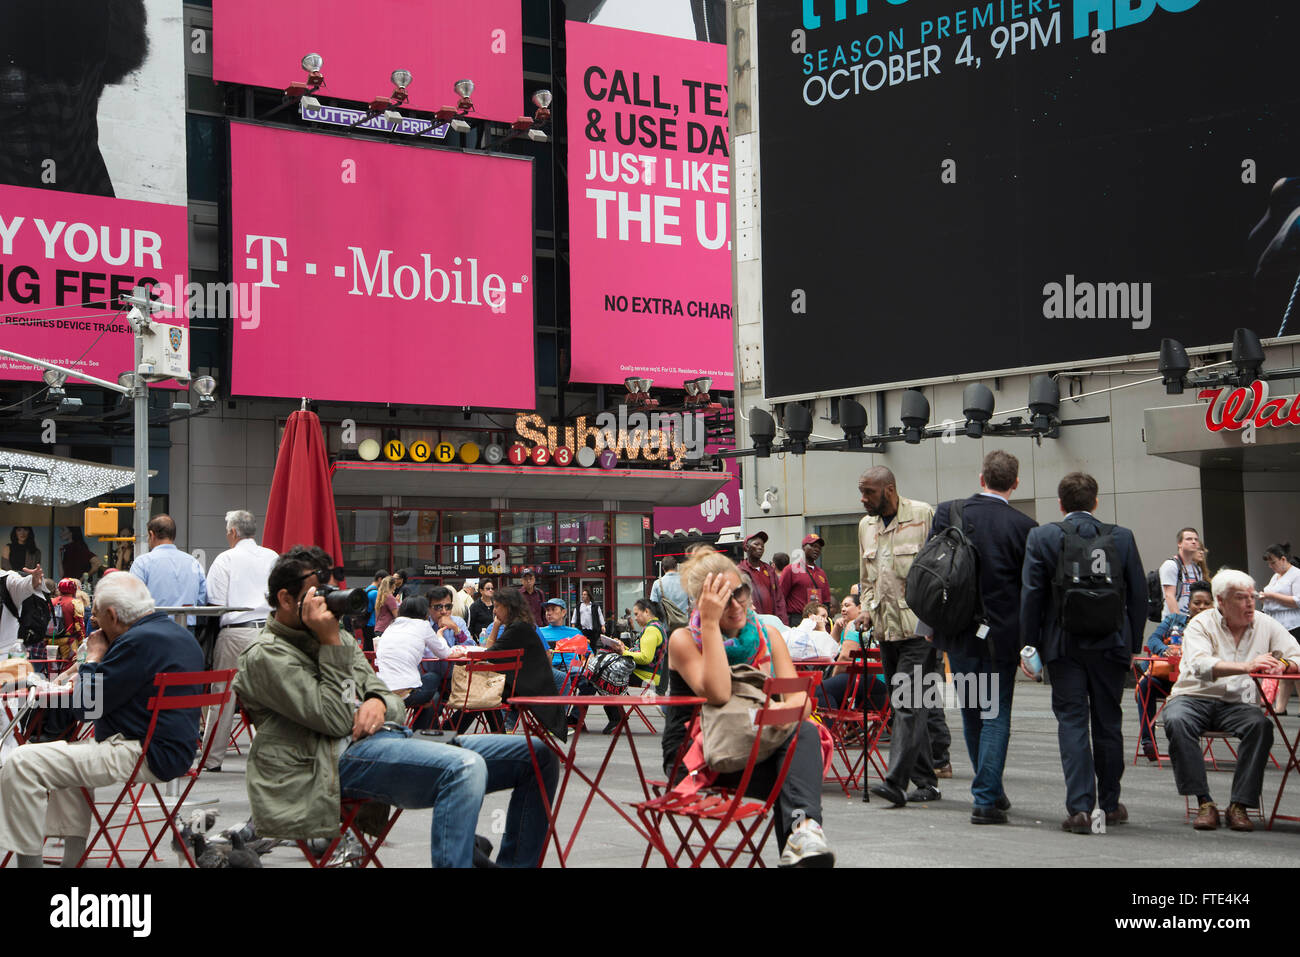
x,y
268,262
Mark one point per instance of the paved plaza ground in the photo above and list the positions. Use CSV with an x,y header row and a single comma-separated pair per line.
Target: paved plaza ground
x,y
877,835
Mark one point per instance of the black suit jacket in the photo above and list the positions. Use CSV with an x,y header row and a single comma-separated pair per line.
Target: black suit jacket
x,y
1039,614
998,532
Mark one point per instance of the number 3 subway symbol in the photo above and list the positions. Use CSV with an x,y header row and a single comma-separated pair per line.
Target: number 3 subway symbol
x,y
445,452
394,450
420,451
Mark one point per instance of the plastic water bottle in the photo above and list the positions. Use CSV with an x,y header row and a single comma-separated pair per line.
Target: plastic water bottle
x,y
1033,664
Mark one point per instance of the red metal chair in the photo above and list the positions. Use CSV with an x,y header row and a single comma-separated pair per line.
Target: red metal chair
x,y
505,663
580,648
241,727
413,713
133,790
348,811
847,726
708,813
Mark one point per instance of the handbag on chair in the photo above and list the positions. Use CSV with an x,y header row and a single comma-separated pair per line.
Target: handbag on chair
x,y
477,691
727,730
608,671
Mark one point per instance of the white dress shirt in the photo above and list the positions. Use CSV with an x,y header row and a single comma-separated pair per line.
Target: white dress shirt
x,y
1207,641
238,577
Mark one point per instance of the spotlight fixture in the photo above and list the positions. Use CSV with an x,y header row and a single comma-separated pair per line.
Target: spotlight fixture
x,y
762,430
203,387
55,378
465,89
542,100
401,79
1247,356
312,64
1174,366
798,422
915,416
464,105
1044,402
977,406
691,388
853,420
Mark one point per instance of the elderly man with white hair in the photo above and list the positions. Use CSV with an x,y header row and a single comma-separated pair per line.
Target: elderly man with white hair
x,y
236,579
40,783
1221,647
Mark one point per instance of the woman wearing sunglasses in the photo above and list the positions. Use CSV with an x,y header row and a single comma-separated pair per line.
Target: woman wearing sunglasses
x,y
723,631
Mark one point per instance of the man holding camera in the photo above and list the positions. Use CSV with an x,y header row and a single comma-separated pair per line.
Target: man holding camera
x,y
315,701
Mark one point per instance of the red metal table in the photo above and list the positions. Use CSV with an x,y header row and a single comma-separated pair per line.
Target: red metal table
x,y
582,702
1291,763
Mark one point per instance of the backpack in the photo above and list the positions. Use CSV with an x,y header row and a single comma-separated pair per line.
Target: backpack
x,y
1088,588
672,616
1156,592
33,618
943,585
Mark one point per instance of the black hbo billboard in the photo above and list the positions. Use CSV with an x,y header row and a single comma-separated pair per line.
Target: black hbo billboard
x,y
959,187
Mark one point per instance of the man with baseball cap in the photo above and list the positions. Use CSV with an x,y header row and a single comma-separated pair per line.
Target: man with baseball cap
x,y
534,596
766,584
799,586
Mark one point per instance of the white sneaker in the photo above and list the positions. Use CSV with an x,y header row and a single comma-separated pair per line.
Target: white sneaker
x,y
807,847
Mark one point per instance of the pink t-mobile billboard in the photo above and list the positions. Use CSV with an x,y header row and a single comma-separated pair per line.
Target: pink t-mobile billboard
x,y
262,43
648,207
381,273
64,260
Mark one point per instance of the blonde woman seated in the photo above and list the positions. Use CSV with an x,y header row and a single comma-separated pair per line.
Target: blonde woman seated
x,y
723,631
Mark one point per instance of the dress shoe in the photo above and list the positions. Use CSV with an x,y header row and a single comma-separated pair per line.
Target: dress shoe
x,y
890,793
943,771
1238,819
1207,819
980,814
921,795
1078,823
609,728
1003,803
1117,816
1150,753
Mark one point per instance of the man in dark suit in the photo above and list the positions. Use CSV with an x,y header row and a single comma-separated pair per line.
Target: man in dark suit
x,y
984,660
1087,672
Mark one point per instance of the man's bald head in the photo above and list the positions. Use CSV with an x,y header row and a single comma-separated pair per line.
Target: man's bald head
x,y
879,492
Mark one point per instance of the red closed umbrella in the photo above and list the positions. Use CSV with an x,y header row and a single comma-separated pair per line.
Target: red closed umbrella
x,y
301,508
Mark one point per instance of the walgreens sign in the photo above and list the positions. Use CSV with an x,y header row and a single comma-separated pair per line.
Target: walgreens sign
x,y
1248,408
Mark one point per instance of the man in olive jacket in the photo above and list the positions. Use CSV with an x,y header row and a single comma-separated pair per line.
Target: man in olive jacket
x,y
328,728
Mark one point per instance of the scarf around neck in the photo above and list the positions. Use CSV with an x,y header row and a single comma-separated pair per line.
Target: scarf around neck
x,y
749,647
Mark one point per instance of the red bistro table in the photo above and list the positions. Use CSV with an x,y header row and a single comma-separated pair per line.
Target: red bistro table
x,y
582,702
1291,762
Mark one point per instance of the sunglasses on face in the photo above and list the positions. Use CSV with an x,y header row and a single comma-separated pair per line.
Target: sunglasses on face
x,y
443,607
740,595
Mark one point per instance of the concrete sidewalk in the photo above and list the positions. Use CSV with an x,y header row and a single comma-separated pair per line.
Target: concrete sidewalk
x,y
876,834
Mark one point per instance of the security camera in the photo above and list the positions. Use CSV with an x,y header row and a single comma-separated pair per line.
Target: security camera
x,y
769,496
766,506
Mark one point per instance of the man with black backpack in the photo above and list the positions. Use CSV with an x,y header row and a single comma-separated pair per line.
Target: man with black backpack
x,y
1082,605
15,591
982,638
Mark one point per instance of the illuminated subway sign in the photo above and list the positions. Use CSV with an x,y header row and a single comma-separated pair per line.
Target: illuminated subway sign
x,y
650,437
1248,407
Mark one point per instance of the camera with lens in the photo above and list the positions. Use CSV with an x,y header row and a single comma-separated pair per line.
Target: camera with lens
x,y
343,601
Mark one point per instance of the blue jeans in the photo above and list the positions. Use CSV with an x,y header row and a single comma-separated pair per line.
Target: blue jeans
x,y
414,772
987,734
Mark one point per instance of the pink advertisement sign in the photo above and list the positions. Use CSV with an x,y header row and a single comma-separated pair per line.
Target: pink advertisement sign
x,y
648,207
714,514
262,43
64,260
381,273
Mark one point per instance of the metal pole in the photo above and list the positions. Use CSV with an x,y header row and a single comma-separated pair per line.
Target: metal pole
x,y
140,395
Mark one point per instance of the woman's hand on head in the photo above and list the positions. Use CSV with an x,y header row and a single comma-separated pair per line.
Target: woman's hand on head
x,y
713,598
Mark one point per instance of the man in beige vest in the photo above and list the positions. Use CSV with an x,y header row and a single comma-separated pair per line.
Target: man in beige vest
x,y
889,538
